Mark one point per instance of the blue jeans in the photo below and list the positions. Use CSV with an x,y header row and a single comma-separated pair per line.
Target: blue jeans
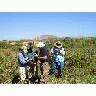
x,y
59,66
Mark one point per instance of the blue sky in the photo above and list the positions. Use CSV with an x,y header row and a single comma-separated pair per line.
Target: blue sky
x,y
25,25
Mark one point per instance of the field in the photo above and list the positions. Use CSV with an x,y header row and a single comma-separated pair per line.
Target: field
x,y
80,61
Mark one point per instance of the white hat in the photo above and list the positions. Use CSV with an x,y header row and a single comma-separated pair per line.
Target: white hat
x,y
24,48
40,44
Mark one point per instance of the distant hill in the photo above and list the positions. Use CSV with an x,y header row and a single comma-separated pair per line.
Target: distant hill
x,y
45,37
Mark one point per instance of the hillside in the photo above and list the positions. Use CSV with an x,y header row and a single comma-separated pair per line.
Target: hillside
x,y
45,37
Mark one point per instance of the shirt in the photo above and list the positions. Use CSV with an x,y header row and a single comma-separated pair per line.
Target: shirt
x,y
58,57
44,52
31,52
21,59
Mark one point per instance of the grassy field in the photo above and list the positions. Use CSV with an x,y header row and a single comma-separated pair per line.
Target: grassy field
x,y
80,61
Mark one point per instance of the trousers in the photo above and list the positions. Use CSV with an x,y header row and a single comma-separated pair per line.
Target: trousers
x,y
57,66
44,71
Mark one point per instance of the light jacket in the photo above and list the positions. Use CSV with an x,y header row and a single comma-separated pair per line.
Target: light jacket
x,y
21,60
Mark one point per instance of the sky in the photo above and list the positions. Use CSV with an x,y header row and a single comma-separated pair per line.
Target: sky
x,y
28,25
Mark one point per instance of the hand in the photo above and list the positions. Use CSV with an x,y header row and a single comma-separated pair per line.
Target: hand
x,y
58,51
35,55
27,60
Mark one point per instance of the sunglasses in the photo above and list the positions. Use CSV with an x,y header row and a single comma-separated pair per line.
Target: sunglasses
x,y
58,44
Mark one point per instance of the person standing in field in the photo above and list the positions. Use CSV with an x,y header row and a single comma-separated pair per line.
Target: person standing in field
x,y
58,58
44,61
22,61
31,53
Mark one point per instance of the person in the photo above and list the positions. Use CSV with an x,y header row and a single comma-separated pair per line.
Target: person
x,y
31,51
33,67
44,60
22,61
58,58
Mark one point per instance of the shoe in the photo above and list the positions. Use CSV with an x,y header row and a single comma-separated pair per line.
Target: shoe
x,y
50,73
60,75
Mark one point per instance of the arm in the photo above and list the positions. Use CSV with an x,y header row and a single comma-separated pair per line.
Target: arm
x,y
62,52
22,59
45,57
52,52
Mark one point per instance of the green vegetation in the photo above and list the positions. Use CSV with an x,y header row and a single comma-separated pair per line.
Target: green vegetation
x,y
80,61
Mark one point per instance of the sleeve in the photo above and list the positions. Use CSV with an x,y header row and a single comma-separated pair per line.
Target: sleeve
x,y
22,59
52,49
62,51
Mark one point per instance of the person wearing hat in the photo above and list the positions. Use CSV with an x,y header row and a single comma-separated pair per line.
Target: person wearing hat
x,y
22,61
44,59
58,58
33,61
